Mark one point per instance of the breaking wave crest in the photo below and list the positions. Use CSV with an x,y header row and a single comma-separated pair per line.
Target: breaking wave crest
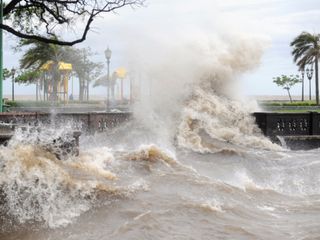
x,y
196,99
151,153
37,187
214,123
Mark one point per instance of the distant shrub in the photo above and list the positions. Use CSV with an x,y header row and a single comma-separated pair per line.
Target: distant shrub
x,y
272,104
11,103
306,103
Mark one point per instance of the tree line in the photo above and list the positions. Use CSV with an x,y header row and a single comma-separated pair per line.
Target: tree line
x,y
40,23
38,54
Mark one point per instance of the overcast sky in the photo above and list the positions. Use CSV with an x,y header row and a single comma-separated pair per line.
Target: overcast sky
x,y
277,22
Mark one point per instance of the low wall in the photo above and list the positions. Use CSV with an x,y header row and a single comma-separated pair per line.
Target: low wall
x,y
288,124
271,124
86,122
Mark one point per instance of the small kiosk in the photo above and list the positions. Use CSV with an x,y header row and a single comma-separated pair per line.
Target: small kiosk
x,y
55,81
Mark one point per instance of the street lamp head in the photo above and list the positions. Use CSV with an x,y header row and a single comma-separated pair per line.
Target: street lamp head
x,y
108,53
13,71
309,73
302,71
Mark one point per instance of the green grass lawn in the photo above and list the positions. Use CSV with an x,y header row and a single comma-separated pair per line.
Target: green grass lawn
x,y
296,111
289,107
284,103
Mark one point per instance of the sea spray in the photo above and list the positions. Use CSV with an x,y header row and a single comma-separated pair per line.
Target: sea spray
x,y
38,188
190,92
213,123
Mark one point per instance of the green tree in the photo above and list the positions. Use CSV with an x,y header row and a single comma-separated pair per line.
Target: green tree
x,y
286,82
28,76
306,50
41,19
38,53
84,69
6,73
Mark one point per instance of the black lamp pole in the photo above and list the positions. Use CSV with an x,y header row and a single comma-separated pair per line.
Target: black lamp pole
x,y
13,72
108,57
309,75
302,78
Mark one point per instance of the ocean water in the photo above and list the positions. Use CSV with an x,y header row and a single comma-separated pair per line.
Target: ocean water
x,y
218,178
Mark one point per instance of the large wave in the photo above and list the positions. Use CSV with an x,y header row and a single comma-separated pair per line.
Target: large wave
x,y
213,123
192,92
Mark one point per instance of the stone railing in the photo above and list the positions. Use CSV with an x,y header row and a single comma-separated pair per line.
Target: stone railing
x,y
288,124
85,122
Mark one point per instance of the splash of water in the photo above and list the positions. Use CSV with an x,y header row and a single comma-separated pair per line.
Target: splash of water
x,y
212,123
37,187
198,93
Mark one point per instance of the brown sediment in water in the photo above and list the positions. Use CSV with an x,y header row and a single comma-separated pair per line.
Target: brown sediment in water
x,y
88,168
213,123
150,153
33,156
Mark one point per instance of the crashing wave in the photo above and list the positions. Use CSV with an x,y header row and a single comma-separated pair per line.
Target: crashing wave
x,y
213,123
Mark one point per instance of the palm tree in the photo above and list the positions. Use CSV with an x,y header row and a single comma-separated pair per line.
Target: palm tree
x,y
306,50
40,53
83,68
36,56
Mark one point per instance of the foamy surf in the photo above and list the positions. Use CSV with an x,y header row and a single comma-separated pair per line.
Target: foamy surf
x,y
36,187
212,123
104,186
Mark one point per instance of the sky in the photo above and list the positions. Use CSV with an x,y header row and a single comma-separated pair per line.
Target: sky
x,y
275,22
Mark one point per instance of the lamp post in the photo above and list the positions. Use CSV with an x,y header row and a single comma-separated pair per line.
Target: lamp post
x,y
1,57
309,75
13,72
86,75
302,80
107,54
